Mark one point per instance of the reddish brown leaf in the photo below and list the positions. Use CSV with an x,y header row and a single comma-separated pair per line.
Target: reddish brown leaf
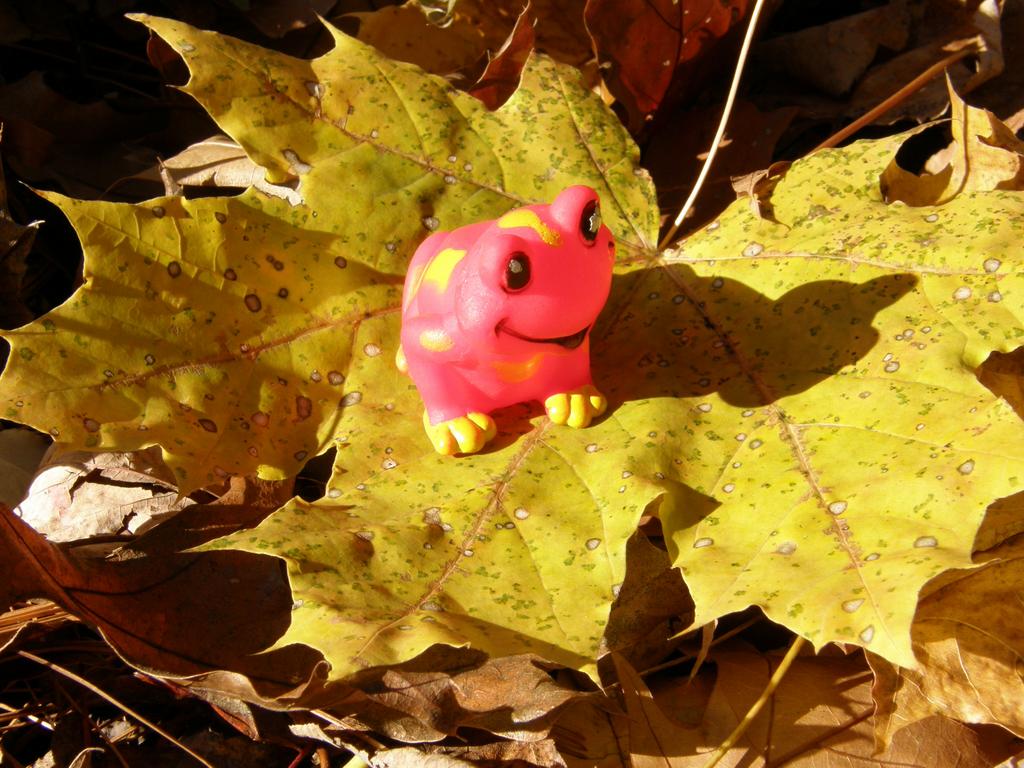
x,y
675,156
165,610
642,43
504,68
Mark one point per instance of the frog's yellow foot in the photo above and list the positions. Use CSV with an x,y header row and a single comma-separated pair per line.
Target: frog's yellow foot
x,y
576,408
464,434
400,362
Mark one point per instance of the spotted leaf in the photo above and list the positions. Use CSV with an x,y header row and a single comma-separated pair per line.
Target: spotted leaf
x,y
842,448
519,549
223,329
382,153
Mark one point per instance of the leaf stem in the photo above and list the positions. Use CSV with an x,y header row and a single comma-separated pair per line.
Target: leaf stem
x,y
755,710
726,112
120,705
898,97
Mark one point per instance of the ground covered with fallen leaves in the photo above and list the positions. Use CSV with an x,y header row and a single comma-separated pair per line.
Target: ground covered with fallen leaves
x,y
796,537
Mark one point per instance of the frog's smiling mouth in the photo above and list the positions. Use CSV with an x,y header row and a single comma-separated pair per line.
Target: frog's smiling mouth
x,y
572,341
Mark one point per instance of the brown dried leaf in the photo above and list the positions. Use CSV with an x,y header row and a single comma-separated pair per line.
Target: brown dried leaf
x,y
940,27
1003,520
447,689
758,187
542,753
21,450
832,57
655,740
967,637
820,717
592,733
215,162
653,599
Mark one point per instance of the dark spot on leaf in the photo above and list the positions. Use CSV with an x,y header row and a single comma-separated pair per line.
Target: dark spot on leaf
x,y
261,419
303,408
174,269
91,425
283,293
335,377
341,262
159,211
208,425
150,360
253,303
221,217
229,274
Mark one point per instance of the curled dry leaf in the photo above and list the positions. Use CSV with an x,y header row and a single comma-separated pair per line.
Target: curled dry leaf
x,y
216,162
79,495
473,30
985,155
938,29
819,716
403,33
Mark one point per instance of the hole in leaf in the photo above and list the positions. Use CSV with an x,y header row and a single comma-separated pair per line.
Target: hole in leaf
x,y
924,152
311,482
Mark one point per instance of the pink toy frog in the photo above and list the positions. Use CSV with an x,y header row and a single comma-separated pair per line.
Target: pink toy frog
x,y
499,312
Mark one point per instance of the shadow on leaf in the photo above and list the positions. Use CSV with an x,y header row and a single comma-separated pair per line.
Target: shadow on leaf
x,y
680,335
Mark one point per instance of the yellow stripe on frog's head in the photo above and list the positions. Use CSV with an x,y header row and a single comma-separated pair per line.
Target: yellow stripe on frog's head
x,y
530,220
439,270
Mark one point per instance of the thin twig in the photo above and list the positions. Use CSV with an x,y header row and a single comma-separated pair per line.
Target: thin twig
x,y
120,705
95,727
755,710
690,657
9,758
897,98
726,112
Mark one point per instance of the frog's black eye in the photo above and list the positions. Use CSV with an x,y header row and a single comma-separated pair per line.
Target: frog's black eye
x,y
590,221
517,271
